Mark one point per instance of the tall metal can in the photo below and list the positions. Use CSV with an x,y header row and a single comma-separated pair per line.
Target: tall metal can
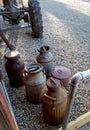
x,y
14,68
35,81
54,102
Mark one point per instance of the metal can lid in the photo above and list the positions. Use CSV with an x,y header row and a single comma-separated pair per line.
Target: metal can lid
x,y
53,82
11,54
61,72
34,68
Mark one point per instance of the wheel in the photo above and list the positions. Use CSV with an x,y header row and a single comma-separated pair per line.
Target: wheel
x,y
35,18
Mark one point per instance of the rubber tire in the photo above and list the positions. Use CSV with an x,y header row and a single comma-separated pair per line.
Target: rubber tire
x,y
35,18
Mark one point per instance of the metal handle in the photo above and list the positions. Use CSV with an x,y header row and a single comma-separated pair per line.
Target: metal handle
x,y
25,74
52,98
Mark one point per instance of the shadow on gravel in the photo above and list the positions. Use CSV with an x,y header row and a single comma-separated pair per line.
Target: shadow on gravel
x,y
76,20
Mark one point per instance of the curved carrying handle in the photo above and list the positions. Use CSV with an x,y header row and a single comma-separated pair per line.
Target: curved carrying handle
x,y
25,74
52,98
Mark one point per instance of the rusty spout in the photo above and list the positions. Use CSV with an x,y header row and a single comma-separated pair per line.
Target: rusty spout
x,y
11,47
74,81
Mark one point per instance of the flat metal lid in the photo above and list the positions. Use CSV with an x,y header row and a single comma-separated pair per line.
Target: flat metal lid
x,y
61,72
11,54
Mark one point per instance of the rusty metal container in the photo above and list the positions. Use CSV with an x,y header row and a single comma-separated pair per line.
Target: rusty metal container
x,y
54,102
45,58
35,81
62,73
14,68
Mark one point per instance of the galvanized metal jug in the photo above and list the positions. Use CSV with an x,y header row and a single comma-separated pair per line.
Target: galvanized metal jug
x,y
54,102
45,58
14,68
35,81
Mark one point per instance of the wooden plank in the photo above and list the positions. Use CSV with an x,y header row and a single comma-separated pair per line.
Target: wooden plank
x,y
7,118
80,121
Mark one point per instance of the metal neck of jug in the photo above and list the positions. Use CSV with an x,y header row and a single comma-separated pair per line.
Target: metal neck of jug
x,y
12,55
34,68
53,84
44,49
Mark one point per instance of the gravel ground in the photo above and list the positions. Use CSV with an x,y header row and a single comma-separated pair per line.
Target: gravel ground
x,y
67,32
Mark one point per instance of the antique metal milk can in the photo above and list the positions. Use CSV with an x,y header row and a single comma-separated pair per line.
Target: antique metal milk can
x,y
62,73
45,58
35,81
14,68
54,102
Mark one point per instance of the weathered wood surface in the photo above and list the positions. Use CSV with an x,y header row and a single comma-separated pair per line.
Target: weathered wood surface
x,y
7,119
79,122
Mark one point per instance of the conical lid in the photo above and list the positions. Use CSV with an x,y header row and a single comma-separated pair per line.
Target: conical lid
x,y
53,84
56,89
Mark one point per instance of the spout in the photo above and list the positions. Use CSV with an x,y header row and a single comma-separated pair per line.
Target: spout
x,y
73,84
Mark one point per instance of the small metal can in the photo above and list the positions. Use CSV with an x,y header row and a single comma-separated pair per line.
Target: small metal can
x,y
62,73
45,58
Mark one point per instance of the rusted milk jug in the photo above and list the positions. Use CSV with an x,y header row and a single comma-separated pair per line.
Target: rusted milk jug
x,y
45,58
14,68
35,81
54,102
62,73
